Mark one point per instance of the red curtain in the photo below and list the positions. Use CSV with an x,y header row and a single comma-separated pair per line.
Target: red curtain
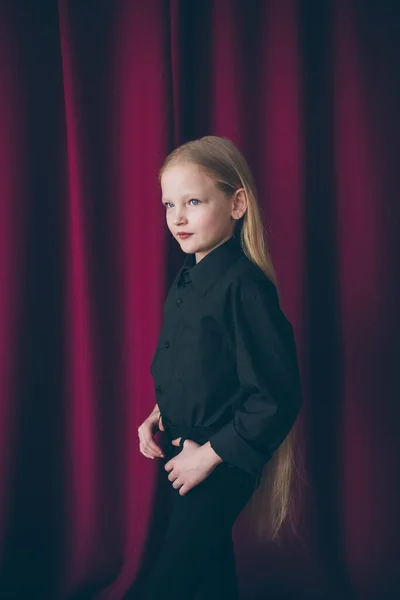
x,y
93,95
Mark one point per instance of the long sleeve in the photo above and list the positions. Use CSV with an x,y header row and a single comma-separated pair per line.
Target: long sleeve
x,y
268,373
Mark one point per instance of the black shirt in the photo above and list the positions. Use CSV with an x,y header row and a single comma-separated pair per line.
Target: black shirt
x,y
226,357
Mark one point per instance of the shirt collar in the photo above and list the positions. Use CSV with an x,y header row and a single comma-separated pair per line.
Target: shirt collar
x,y
203,274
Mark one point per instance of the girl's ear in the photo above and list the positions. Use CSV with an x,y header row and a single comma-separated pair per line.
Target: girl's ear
x,y
240,203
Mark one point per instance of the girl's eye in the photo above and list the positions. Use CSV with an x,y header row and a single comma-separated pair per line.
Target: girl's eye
x,y
191,200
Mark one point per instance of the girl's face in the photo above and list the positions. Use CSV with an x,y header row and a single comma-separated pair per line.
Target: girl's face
x,y
194,205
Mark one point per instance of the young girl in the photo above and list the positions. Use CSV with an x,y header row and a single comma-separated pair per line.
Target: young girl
x,y
225,372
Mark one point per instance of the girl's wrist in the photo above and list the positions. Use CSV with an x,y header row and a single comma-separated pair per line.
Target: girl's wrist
x,y
211,455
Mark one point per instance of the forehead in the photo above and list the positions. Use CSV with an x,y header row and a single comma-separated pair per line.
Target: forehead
x,y
179,180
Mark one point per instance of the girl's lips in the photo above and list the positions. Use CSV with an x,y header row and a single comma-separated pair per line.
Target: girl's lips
x,y
184,235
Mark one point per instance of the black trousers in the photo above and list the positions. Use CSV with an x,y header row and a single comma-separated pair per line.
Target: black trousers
x,y
196,560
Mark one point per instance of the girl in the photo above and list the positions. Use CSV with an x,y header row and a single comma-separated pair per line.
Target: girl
x,y
225,372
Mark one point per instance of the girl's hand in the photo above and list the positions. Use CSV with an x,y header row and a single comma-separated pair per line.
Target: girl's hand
x,y
147,445
191,466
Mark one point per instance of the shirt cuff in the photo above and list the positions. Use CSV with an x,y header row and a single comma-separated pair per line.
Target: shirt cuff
x,y
234,449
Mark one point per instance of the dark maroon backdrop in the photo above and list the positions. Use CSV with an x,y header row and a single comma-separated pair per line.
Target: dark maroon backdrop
x,y
93,95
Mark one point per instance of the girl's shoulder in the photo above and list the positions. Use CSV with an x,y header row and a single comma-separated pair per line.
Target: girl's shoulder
x,y
253,291
250,278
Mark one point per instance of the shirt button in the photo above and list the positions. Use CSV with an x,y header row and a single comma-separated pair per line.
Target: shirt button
x,y
166,344
179,301
158,388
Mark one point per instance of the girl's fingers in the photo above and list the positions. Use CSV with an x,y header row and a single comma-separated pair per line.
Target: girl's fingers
x,y
149,445
144,452
148,454
177,483
151,448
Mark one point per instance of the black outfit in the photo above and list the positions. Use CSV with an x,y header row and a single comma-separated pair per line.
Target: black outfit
x,y
196,560
225,365
225,371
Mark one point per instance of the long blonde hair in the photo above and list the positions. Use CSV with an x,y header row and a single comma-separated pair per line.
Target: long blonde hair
x,y
273,501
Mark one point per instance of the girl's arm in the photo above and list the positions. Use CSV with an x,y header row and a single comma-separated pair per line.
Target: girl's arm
x,y
267,369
